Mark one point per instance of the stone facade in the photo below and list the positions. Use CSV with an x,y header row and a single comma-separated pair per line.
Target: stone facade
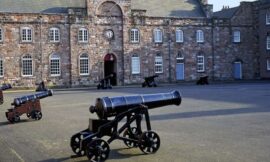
x,y
219,52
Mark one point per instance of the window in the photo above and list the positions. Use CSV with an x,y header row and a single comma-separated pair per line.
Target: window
x,y
54,35
135,64
158,64
27,65
134,36
158,36
268,64
1,35
1,68
179,58
83,35
84,64
268,43
55,65
268,19
236,36
200,63
179,36
26,34
200,36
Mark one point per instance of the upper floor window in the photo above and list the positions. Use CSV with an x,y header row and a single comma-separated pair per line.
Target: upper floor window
x,y
1,68
179,36
54,35
268,43
158,36
268,64
200,63
236,36
27,65
55,65
134,35
158,63
200,36
26,34
83,35
135,64
84,64
268,19
1,35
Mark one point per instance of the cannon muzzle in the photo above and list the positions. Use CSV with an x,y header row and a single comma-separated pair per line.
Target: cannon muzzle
x,y
21,100
107,107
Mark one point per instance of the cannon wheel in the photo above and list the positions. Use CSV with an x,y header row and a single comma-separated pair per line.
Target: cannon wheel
x,y
149,142
14,119
75,143
97,150
37,115
128,134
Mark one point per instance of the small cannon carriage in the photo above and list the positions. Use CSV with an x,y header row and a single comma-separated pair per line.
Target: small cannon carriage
x,y
130,110
2,88
150,81
105,83
203,80
29,105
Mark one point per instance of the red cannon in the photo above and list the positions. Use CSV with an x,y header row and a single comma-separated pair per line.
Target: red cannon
x,y
4,87
29,105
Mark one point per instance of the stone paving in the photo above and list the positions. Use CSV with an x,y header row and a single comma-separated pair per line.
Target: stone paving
x,y
215,123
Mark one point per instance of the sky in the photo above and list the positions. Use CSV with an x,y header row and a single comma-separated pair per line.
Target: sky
x,y
219,3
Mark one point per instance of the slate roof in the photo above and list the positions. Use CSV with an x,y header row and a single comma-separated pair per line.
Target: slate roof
x,y
39,6
155,8
225,13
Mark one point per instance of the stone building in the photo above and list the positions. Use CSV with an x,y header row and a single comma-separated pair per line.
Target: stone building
x,y
78,42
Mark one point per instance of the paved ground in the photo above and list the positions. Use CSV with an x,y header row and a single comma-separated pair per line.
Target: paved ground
x,y
215,123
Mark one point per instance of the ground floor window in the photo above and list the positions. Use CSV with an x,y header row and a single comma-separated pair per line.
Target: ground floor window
x,y
158,64
55,65
1,68
200,63
84,64
135,64
268,64
27,65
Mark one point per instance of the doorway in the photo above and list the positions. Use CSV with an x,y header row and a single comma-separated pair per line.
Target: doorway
x,y
237,70
110,68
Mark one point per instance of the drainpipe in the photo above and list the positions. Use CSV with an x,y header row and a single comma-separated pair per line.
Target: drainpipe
x,y
213,50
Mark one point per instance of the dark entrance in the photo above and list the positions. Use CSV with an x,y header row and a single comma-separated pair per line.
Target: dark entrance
x,y
110,67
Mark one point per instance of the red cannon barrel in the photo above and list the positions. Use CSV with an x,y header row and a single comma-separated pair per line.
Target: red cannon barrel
x,y
107,107
21,100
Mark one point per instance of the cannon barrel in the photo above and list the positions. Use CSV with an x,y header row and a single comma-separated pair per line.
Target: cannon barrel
x,y
5,86
107,107
21,100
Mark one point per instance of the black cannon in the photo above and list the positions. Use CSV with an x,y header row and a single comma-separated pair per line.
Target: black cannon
x,y
203,80
130,110
2,88
105,83
30,105
150,81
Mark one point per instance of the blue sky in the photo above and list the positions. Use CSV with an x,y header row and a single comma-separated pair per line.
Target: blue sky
x,y
219,3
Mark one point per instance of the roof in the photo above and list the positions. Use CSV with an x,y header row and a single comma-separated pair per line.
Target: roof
x,y
40,6
155,8
169,8
225,13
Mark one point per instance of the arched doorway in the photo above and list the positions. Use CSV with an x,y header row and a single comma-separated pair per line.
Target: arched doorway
x,y
110,67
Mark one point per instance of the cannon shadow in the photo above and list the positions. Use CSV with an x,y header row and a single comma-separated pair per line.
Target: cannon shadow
x,y
209,113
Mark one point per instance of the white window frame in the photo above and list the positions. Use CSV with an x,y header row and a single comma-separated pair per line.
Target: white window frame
x,y
135,64
27,62
268,64
236,36
200,64
267,18
26,34
1,67
1,35
54,35
83,35
199,36
179,36
134,35
158,64
84,64
158,35
55,65
268,42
